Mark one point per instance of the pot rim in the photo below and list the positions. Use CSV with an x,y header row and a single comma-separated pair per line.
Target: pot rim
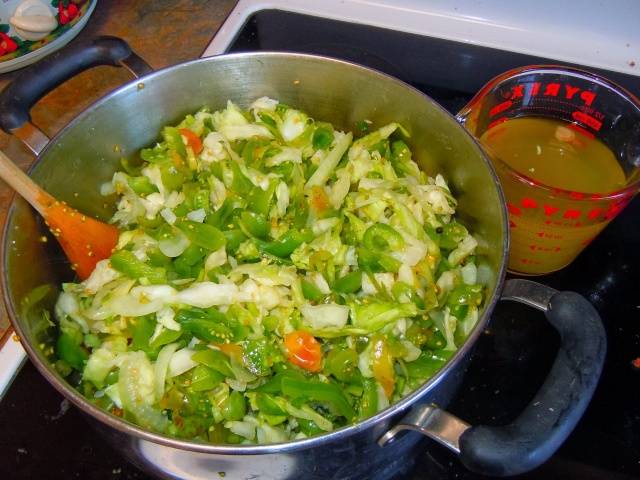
x,y
124,426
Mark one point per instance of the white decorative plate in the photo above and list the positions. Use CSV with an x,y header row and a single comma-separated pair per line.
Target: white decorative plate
x,y
16,52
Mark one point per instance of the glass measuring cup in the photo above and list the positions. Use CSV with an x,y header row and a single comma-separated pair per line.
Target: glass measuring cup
x,y
551,222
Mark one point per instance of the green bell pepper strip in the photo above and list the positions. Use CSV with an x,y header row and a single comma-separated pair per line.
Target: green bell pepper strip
x,y
192,255
240,184
141,185
259,200
465,295
309,427
220,218
164,338
319,392
208,325
322,137
310,291
452,234
268,405
427,364
369,401
207,330
257,357
381,237
342,364
142,329
233,238
202,234
253,224
204,379
274,385
402,291
350,283
214,359
128,264
287,243
401,160
435,340
375,261
173,139
234,407
71,352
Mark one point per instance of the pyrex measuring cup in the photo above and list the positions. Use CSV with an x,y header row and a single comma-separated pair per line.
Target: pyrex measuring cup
x,y
551,223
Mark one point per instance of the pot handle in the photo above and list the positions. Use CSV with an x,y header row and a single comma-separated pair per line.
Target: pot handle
x,y
17,99
550,417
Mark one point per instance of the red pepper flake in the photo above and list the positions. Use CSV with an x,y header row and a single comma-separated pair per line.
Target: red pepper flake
x,y
636,363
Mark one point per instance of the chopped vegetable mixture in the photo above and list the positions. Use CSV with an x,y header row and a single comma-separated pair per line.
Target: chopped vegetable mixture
x,y
274,279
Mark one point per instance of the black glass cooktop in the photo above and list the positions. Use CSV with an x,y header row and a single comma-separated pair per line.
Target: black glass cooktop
x,y
42,438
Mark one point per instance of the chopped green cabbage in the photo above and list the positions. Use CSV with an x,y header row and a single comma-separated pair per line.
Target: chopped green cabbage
x,y
283,280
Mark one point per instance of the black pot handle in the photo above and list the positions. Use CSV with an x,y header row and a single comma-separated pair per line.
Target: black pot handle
x,y
17,99
548,420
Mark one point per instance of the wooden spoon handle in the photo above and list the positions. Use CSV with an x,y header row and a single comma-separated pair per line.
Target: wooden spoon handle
x,y
22,183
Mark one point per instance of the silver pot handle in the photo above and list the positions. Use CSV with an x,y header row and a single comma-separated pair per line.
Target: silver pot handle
x,y
548,420
36,81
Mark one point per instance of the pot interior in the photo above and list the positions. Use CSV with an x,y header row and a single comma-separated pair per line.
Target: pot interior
x,y
88,151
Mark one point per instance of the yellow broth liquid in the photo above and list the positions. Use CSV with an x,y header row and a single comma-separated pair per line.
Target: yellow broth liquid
x,y
549,230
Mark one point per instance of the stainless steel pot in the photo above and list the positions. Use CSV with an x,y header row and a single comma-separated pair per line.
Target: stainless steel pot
x,y
85,154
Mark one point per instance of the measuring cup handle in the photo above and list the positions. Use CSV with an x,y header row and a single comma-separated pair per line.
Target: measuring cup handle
x,y
17,99
554,411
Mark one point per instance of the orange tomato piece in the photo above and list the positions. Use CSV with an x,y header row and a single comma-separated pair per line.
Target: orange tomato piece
x,y
303,350
193,140
318,199
382,366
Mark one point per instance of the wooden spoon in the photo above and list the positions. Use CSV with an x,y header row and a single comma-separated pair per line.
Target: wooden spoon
x,y
84,240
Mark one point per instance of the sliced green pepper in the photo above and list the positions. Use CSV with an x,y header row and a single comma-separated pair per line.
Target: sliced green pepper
x,y
214,359
234,407
375,261
164,338
427,364
202,234
259,200
402,291
268,405
128,264
69,350
381,237
452,234
322,136
274,385
209,325
204,378
319,392
233,239
141,185
310,291
342,363
287,243
220,218
241,184
369,401
254,224
173,139
350,283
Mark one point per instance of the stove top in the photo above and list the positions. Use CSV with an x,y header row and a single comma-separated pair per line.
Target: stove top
x,y
515,353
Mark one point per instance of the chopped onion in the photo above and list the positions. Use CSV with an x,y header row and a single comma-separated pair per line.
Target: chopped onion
x,y
175,245
161,366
